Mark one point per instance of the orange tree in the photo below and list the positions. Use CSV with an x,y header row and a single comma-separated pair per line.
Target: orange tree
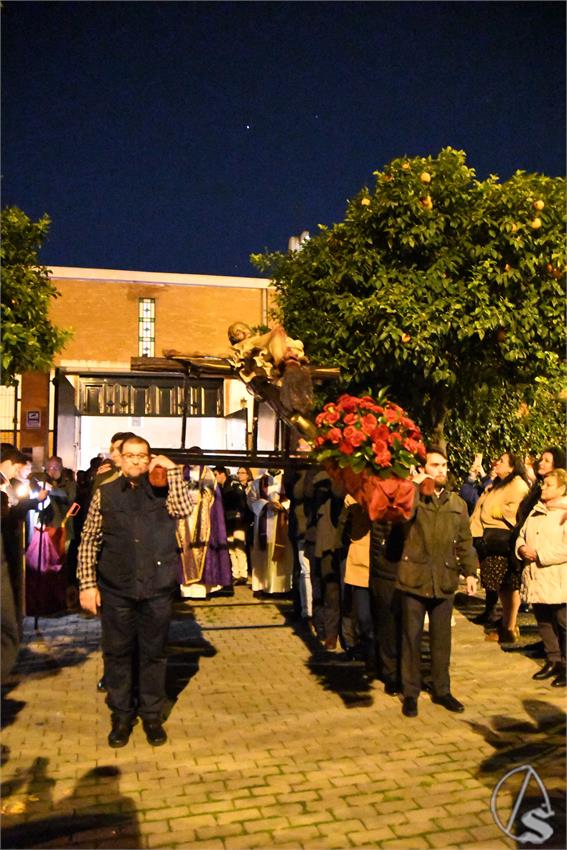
x,y
445,288
29,340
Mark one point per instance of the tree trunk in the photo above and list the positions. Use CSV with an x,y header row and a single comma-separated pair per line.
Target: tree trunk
x,y
439,413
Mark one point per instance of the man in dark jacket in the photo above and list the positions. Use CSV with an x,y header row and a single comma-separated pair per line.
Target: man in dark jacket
x,y
128,566
437,547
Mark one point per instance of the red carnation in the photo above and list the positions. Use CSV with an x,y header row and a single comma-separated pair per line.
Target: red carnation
x,y
351,419
392,415
346,448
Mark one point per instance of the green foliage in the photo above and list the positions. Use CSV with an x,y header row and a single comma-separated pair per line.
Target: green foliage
x,y
448,289
29,340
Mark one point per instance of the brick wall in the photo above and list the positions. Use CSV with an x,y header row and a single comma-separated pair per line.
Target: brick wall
x,y
104,317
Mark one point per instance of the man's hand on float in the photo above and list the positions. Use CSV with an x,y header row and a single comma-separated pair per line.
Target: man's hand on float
x,y
163,461
90,600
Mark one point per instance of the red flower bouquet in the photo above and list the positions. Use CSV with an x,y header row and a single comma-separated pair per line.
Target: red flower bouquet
x,y
370,445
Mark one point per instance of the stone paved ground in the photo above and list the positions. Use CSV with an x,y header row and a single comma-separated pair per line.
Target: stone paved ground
x,y
274,743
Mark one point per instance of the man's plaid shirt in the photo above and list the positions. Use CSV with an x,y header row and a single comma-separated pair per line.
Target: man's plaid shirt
x,y
179,504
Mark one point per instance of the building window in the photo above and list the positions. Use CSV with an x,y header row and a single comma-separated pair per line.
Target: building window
x,y
103,396
146,326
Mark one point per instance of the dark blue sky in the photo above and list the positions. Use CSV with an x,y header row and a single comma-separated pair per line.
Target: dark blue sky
x,y
184,136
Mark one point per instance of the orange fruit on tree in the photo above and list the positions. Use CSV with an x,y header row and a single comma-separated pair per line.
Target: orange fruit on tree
x,y
538,205
535,224
425,177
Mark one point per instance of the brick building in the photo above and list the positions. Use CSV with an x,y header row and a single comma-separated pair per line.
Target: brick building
x,y
92,392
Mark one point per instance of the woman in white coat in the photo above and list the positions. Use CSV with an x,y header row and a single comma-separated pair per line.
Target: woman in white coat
x,y
542,545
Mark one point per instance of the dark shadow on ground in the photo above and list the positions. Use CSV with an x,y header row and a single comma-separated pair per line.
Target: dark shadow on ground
x,y
186,646
51,647
538,744
334,671
82,820
529,643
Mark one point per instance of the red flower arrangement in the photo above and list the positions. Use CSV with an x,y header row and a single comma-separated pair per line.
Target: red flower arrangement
x,y
370,445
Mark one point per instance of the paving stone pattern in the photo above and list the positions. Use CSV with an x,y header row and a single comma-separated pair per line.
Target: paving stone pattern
x,y
273,742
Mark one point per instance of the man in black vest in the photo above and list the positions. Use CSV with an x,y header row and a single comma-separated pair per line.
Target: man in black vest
x,y
128,566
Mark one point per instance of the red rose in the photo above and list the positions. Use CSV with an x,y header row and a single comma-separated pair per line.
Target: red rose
x,y
347,402
381,433
331,416
394,437
346,448
353,436
411,445
351,419
369,424
319,441
381,454
319,419
392,415
334,435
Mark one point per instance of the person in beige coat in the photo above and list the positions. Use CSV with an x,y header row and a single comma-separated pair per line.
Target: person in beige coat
x,y
492,524
357,528
542,545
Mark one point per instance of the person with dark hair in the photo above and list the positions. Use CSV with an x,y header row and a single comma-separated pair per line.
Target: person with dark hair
x,y
492,525
128,567
235,518
109,469
437,546
551,459
12,461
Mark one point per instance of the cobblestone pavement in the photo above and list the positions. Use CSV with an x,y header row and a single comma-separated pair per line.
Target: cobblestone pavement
x,y
274,742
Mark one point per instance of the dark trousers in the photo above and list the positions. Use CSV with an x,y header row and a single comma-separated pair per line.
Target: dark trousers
x,y
387,627
130,627
413,617
331,587
551,622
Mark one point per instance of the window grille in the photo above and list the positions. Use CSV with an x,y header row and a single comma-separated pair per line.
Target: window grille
x,y
146,326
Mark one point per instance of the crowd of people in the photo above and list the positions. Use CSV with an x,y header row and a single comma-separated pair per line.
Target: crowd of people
x,y
122,538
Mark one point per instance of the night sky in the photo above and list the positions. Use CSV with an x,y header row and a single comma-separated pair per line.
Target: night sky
x,y
184,136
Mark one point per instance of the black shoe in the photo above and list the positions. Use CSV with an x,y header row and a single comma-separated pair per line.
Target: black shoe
x,y
549,669
101,685
409,708
392,689
484,618
155,733
449,702
560,681
120,732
